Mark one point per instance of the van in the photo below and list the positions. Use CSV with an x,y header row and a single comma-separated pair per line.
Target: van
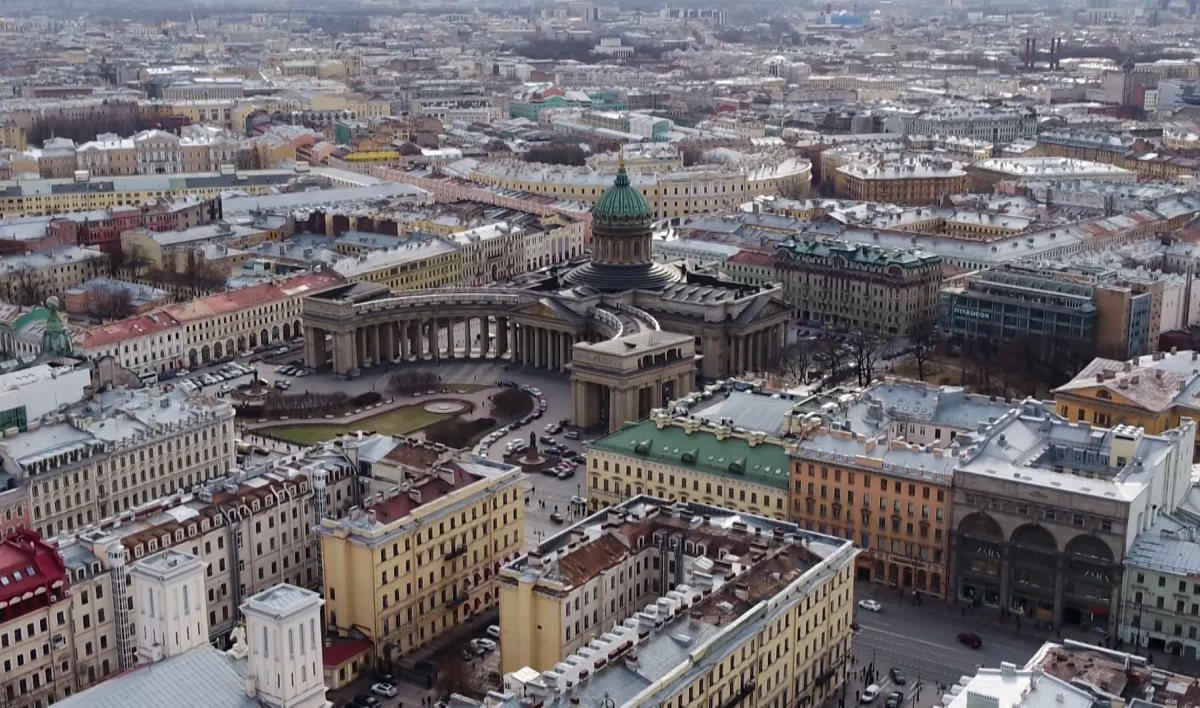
x,y
870,694
149,378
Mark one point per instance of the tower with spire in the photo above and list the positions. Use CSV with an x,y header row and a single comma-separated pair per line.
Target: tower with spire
x,y
55,339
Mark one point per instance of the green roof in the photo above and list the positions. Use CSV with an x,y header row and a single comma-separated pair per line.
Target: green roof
x,y
622,204
766,463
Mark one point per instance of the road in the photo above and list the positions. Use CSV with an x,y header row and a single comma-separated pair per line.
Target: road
x,y
924,645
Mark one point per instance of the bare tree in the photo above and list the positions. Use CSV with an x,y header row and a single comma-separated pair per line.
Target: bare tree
x,y
413,381
796,361
922,341
24,287
113,304
691,156
202,276
133,259
867,348
511,403
454,676
830,356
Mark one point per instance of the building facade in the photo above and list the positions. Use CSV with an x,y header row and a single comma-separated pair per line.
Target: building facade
x,y
858,287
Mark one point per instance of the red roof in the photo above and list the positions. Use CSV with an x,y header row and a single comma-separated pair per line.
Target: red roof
x,y
130,328
24,551
234,300
341,651
752,258
431,488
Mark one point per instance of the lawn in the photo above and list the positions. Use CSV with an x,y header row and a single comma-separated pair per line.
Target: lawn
x,y
401,421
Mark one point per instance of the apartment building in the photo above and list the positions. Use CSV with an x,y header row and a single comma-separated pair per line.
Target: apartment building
x,y
38,274
157,152
35,633
150,343
102,228
49,197
1155,392
857,286
722,596
488,254
86,460
420,263
997,126
986,173
218,325
689,460
892,499
1160,609
1046,511
420,556
202,88
909,181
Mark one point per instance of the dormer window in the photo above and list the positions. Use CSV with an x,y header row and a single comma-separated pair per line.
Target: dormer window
x,y
255,505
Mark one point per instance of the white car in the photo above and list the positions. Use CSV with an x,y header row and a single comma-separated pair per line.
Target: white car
x,y
386,690
872,691
870,605
485,644
493,631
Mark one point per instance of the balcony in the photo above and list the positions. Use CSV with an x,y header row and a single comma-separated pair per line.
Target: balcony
x,y
739,696
455,552
457,600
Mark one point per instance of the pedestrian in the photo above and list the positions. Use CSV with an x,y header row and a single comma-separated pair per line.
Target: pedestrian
x,y
857,695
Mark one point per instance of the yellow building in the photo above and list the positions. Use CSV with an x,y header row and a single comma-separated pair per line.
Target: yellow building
x,y
416,265
55,196
421,558
734,609
679,461
694,190
12,136
907,181
1155,392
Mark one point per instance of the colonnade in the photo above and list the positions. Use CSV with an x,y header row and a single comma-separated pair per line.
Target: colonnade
x,y
436,338
757,350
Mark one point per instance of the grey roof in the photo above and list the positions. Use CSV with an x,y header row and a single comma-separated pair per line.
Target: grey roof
x,y
752,411
1168,547
200,677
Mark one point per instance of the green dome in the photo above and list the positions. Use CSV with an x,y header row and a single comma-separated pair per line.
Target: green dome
x,y
622,204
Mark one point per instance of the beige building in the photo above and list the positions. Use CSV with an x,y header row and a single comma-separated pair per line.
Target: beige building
x,y
219,325
622,380
909,181
653,579
851,286
31,277
420,557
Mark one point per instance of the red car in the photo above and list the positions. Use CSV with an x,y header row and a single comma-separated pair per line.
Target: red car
x,y
971,640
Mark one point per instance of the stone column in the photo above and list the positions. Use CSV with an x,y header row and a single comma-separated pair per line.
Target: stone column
x,y
468,326
1005,575
1060,577
501,336
344,352
568,339
310,346
360,347
539,347
405,328
555,350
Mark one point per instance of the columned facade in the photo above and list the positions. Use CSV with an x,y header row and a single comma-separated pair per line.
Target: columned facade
x,y
622,380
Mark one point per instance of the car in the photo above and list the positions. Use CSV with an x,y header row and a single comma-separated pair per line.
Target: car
x,y
869,694
853,626
571,435
281,351
971,640
366,700
475,648
487,644
493,631
547,440
565,474
871,605
385,678
556,518
898,677
554,428
535,391
895,700
386,690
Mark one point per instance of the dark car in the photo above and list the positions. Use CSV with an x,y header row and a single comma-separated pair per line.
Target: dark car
x,y
366,701
898,677
557,518
895,700
971,640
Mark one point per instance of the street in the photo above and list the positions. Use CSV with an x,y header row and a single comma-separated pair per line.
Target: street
x,y
924,645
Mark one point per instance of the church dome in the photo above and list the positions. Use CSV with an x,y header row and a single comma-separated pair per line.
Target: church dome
x,y
622,204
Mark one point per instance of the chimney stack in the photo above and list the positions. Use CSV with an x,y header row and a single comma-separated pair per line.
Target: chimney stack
x,y
1033,53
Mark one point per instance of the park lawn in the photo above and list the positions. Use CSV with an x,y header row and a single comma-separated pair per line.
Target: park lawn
x,y
401,421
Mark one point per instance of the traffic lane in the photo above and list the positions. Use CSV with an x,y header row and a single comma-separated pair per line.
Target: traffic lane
x,y
914,621
918,658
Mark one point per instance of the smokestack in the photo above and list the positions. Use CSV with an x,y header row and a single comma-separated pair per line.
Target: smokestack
x,y
1028,53
1033,53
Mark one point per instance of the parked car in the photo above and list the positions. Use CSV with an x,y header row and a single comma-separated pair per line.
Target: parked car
x,y
871,605
557,518
386,690
366,700
493,631
870,693
898,677
554,428
896,700
971,640
547,440
487,644
566,474
571,435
